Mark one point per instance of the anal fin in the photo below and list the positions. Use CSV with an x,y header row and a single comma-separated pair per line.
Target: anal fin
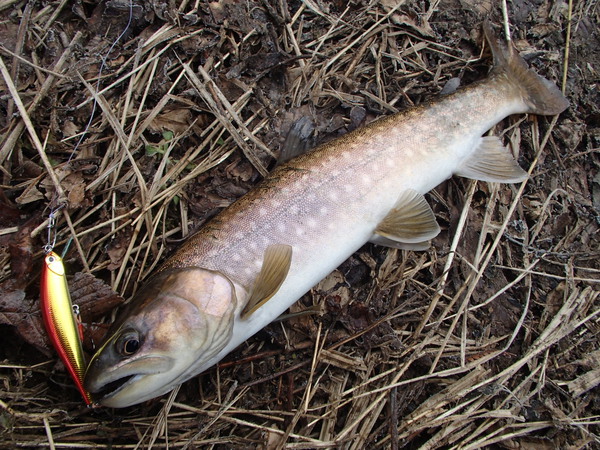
x,y
492,161
274,270
409,224
385,242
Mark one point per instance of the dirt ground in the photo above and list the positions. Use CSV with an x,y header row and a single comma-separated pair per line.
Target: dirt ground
x,y
151,117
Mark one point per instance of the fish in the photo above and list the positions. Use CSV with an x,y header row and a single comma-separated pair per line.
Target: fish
x,y
248,264
59,320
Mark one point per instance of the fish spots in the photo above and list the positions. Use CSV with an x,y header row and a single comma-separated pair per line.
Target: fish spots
x,y
366,179
243,253
333,196
312,223
323,210
299,231
263,211
348,188
281,227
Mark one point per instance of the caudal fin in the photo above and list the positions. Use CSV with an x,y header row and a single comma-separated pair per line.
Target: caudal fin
x,y
542,96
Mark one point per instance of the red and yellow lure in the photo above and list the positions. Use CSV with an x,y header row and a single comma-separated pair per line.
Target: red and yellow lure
x,y
60,322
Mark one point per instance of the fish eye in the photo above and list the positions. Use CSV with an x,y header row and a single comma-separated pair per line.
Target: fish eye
x,y
128,343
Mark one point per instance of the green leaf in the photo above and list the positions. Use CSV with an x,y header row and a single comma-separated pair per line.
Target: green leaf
x,y
151,150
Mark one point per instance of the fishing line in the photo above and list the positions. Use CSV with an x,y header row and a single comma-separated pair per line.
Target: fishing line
x,y
62,319
99,82
52,232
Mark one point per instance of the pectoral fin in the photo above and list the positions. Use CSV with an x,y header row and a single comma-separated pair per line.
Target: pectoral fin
x,y
411,222
276,265
492,161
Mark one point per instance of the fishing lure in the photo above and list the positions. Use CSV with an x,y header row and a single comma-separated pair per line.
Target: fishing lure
x,y
60,322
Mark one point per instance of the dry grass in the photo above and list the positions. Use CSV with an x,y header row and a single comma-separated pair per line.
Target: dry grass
x,y
488,339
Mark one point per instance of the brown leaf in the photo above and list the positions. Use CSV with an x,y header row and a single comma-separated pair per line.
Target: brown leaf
x,y
176,120
116,250
11,301
94,297
70,129
93,334
357,318
76,195
21,253
9,214
31,193
72,183
24,315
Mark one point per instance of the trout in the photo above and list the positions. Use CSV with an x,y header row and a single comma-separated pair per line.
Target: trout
x,y
261,254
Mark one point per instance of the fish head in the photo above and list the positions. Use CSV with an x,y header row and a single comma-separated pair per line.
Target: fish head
x,y
180,317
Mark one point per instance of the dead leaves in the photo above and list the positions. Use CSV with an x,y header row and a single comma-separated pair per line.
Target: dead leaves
x,y
176,121
94,297
72,180
418,24
24,315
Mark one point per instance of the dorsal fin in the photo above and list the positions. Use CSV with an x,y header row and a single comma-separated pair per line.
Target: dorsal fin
x,y
492,161
411,221
298,140
274,270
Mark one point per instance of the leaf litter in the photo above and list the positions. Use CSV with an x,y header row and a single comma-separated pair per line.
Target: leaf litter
x,y
489,339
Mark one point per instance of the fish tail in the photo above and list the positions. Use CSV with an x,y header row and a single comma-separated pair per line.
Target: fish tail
x,y
539,94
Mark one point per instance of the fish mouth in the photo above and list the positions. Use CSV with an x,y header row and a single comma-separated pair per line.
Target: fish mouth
x,y
114,387
106,384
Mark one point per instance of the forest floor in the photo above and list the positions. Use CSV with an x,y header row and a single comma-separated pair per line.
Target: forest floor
x,y
151,117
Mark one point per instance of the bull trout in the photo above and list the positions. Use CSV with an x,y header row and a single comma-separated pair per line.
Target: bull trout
x,y
261,254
